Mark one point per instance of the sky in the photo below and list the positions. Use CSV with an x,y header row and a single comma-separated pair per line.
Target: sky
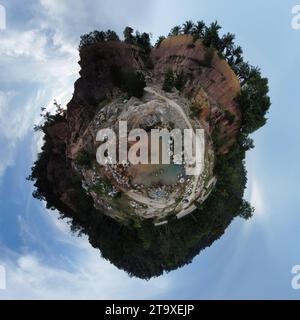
x,y
39,64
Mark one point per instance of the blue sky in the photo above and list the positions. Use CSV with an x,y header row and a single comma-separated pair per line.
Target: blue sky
x,y
38,63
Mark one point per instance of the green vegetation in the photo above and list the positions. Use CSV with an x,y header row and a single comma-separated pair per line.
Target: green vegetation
x,y
175,31
128,35
230,117
137,246
253,99
97,37
102,187
141,40
134,84
172,80
159,41
84,158
194,111
144,250
254,103
179,81
168,80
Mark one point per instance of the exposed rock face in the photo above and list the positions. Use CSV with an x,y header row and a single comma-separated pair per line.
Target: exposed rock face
x,y
100,66
212,88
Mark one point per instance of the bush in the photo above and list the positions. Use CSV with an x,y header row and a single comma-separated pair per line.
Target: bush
x,y
159,41
84,159
168,81
179,81
190,46
230,117
134,84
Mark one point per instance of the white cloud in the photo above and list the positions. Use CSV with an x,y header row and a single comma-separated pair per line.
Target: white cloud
x,y
87,276
34,73
29,43
41,59
38,65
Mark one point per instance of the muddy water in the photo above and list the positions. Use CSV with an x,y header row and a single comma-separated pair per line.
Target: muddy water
x,y
148,174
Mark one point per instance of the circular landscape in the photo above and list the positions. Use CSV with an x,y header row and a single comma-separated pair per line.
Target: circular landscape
x,y
148,217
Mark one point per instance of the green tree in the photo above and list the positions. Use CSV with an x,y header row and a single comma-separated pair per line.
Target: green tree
x,y
227,41
188,27
230,117
98,36
134,84
128,35
86,40
254,103
199,28
143,41
179,80
175,31
168,80
159,41
245,72
111,35
211,35
246,210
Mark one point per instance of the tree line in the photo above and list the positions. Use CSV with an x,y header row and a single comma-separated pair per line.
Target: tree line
x,y
142,40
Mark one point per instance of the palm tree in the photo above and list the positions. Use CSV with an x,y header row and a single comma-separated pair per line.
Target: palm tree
x,y
199,28
227,41
237,55
188,27
128,35
211,35
245,72
159,41
238,51
175,31
254,72
215,26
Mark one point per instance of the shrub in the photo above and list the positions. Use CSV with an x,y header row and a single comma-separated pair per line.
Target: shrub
x,y
179,81
190,46
169,80
159,41
84,158
134,84
230,117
